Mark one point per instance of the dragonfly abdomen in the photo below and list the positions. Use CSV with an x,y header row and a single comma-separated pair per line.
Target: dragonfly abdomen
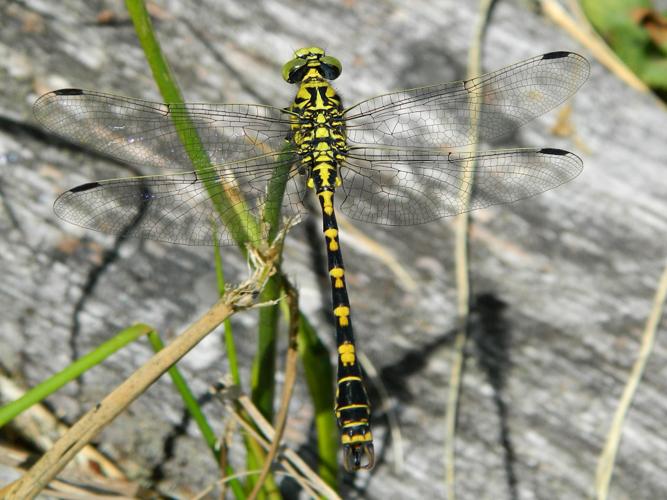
x,y
352,406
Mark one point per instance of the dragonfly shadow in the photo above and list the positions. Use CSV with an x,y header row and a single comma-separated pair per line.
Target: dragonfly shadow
x,y
109,257
491,335
177,431
395,376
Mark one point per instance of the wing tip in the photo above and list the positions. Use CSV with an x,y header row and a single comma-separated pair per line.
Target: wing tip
x,y
41,107
554,151
574,162
84,187
62,206
560,152
562,54
557,54
69,91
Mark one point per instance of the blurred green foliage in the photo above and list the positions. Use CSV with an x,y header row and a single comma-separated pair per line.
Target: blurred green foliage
x,y
637,32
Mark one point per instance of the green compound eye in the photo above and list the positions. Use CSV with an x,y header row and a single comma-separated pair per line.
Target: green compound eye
x,y
294,70
331,67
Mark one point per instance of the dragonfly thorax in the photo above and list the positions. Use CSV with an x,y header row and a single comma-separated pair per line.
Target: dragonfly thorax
x,y
318,131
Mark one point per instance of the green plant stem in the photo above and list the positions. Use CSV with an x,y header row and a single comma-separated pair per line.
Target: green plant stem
x,y
262,381
264,364
230,345
230,207
319,376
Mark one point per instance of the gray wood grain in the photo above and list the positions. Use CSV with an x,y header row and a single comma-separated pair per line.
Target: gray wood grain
x,y
563,282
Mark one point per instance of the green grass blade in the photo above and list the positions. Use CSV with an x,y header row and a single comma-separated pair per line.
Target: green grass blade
x,y
230,209
230,345
319,377
81,365
262,380
256,456
276,192
264,364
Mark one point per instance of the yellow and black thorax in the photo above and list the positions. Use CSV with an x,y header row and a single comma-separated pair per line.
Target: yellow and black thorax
x,y
318,129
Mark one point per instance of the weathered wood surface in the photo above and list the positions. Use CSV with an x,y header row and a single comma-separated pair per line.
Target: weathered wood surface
x,y
563,281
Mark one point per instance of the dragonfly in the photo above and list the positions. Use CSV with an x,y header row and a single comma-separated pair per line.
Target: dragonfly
x,y
396,159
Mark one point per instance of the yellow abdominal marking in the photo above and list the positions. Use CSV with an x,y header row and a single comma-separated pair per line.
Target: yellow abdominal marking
x,y
337,273
332,233
352,407
354,423
350,378
324,170
327,202
346,350
356,438
343,314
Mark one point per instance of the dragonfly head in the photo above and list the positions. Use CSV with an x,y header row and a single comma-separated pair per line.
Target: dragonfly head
x,y
311,61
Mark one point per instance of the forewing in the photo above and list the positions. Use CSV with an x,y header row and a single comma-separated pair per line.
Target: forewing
x,y
146,134
443,115
190,208
403,187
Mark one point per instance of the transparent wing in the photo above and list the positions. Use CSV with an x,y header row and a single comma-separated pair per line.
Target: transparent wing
x,y
143,133
441,115
403,187
189,208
